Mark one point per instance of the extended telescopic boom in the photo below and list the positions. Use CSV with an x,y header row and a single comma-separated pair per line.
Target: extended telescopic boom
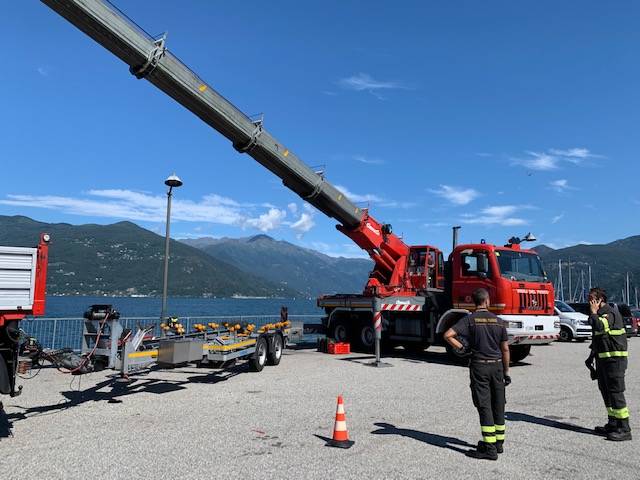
x,y
148,58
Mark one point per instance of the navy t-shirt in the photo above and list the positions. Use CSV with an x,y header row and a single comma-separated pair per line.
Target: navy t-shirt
x,y
484,331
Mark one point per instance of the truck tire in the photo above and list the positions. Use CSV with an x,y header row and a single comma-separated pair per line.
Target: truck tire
x,y
259,358
367,337
339,331
275,353
519,352
565,334
455,357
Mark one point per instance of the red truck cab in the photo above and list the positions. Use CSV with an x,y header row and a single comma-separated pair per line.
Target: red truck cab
x,y
519,289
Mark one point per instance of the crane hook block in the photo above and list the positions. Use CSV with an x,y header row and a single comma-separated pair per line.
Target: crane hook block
x,y
154,56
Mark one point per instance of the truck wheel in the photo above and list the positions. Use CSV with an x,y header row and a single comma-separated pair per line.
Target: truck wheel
x,y
275,354
565,335
455,357
340,332
367,338
259,357
519,352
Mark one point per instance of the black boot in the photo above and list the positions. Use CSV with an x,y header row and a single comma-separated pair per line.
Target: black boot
x,y
484,451
500,446
609,427
621,433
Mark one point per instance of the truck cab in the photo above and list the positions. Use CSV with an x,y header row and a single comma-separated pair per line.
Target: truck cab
x,y
520,292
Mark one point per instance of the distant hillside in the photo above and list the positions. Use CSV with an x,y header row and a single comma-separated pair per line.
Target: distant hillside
x,y
125,259
609,264
305,270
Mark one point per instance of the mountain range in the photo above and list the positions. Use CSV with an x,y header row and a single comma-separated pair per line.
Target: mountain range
x,y
307,271
125,259
609,263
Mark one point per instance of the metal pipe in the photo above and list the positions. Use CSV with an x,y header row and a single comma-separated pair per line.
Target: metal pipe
x,y
165,278
455,236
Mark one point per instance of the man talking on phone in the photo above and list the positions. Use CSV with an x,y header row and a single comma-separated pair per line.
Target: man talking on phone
x,y
609,349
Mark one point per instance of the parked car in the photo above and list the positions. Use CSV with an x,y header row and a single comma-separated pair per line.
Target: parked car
x,y
636,320
573,325
630,324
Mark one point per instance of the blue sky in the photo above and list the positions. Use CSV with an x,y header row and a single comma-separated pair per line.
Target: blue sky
x,y
503,117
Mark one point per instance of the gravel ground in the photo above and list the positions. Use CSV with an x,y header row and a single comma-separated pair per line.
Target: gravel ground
x,y
413,420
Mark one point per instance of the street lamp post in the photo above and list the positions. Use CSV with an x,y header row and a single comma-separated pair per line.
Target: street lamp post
x,y
173,181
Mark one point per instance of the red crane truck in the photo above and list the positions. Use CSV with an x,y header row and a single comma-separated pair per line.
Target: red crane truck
x,y
23,278
409,284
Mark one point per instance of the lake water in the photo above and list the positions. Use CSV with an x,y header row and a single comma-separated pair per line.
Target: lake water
x,y
181,307
62,325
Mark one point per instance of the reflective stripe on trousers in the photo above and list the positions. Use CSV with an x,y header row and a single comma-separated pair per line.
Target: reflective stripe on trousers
x,y
488,433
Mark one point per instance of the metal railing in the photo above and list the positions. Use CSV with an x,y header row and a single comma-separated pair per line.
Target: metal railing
x,y
67,332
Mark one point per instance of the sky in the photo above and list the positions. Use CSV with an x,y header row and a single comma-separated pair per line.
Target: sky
x,y
502,117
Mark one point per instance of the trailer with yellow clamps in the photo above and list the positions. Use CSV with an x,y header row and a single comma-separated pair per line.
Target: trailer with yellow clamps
x,y
109,345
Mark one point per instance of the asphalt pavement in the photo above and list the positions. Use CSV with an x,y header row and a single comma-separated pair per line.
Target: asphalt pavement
x,y
409,421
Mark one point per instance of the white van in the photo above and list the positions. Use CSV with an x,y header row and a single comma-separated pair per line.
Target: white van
x,y
573,325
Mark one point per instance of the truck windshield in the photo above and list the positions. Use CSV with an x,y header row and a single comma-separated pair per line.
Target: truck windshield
x,y
521,266
563,307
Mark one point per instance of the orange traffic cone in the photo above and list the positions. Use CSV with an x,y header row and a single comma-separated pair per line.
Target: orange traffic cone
x,y
340,434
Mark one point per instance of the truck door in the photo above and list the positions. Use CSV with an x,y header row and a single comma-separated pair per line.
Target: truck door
x,y
471,271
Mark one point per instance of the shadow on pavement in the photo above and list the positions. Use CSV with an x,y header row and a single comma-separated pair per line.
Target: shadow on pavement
x,y
548,422
5,425
114,394
440,441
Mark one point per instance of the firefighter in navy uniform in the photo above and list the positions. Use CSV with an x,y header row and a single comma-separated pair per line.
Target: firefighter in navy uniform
x,y
609,349
487,340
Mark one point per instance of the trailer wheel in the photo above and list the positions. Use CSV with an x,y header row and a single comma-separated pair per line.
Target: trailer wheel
x,y
519,352
259,357
275,354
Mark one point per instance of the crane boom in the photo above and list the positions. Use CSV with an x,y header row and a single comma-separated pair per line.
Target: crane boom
x,y
148,58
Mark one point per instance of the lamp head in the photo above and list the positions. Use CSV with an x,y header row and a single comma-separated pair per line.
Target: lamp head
x,y
173,181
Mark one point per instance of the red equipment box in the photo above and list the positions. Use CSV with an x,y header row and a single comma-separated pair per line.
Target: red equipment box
x,y
338,348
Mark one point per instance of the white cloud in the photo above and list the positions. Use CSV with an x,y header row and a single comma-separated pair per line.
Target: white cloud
x,y
373,198
573,153
539,161
368,160
497,215
347,250
43,71
138,206
357,197
293,208
456,195
435,225
557,218
267,221
553,158
303,224
363,82
560,185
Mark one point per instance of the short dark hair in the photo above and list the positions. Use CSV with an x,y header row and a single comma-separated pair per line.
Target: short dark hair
x,y
480,296
599,293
